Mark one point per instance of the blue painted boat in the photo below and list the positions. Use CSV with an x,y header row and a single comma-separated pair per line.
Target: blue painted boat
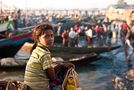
x,y
10,46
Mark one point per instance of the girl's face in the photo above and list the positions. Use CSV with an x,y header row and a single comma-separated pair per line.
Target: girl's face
x,y
47,39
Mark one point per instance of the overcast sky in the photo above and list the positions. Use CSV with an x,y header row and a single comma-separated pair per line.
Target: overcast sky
x,y
62,4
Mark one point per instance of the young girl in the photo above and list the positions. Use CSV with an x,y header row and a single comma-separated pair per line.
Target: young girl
x,y
40,70
39,66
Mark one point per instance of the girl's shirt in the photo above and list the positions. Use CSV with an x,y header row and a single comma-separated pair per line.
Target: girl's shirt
x,y
35,73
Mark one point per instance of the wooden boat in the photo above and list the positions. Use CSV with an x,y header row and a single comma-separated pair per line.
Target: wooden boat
x,y
77,50
12,63
12,68
83,50
72,57
10,46
69,52
85,59
77,60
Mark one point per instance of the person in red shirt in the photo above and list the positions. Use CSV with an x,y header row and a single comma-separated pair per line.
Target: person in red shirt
x,y
124,29
76,28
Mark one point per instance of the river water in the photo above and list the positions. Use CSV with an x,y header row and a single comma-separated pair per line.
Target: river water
x,y
93,76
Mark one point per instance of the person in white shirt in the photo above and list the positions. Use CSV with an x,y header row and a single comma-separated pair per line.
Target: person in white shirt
x,y
89,35
73,37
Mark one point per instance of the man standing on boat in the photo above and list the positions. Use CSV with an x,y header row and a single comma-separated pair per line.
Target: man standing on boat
x,y
89,34
65,38
73,38
124,29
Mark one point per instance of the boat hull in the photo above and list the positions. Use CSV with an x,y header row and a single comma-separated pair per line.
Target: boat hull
x,y
10,46
71,52
79,60
83,50
85,59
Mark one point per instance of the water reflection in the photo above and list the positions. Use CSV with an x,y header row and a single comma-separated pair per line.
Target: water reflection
x,y
96,75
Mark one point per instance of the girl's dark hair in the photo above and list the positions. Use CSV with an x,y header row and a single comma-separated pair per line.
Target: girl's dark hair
x,y
38,31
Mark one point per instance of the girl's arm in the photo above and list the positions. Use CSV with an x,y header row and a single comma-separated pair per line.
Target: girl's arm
x,y
51,74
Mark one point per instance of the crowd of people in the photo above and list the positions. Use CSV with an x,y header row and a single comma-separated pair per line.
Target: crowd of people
x,y
99,34
102,33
